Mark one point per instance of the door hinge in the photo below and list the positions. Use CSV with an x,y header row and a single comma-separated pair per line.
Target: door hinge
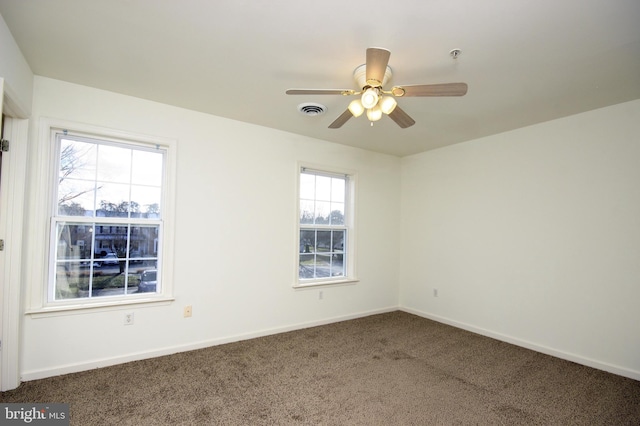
x,y
1,245
5,145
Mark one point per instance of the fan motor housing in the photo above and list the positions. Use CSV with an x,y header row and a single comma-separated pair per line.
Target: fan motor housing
x,y
360,76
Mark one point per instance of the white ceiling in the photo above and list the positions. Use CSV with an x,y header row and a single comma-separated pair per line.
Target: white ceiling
x,y
525,61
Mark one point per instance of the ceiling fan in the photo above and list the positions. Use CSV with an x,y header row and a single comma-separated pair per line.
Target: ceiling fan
x,y
371,78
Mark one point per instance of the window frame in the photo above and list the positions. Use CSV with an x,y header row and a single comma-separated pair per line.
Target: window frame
x,y
41,302
349,252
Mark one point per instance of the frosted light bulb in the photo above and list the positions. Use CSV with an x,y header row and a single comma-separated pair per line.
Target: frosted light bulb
x,y
388,104
356,108
374,114
369,98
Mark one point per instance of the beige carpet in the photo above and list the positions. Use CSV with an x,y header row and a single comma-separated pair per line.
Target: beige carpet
x,y
389,369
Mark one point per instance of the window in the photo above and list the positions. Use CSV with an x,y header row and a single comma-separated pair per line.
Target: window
x,y
107,219
325,228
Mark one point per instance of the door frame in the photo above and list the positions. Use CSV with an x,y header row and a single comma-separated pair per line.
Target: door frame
x,y
12,201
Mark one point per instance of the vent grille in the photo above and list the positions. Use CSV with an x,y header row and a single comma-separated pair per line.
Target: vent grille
x,y
312,109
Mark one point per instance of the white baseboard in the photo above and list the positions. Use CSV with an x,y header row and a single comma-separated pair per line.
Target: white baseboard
x,y
621,371
106,362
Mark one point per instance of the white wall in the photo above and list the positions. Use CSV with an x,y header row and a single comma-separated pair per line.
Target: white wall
x,y
235,236
532,236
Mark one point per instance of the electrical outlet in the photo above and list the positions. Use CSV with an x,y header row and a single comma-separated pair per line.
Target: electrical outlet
x,y
128,319
187,311
320,295
435,292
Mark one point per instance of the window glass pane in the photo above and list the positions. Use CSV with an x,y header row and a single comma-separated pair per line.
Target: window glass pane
x,y
113,200
76,197
337,189
151,211
74,241
323,209
323,243
145,201
146,168
323,188
67,247
111,240
147,279
307,211
307,266
307,186
77,160
337,214
323,266
143,243
307,241
114,164
337,241
70,279
337,268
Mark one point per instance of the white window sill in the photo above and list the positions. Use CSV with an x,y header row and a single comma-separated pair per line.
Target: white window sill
x,y
313,284
60,310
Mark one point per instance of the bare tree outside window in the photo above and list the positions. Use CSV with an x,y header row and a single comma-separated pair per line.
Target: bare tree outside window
x,y
72,159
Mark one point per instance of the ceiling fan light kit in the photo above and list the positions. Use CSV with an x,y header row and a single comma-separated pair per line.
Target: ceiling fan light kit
x,y
371,77
388,104
356,108
370,98
374,113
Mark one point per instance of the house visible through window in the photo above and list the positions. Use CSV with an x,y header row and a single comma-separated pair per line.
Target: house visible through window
x,y
107,218
324,227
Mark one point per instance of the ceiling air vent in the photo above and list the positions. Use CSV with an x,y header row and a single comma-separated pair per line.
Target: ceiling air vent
x,y
312,109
